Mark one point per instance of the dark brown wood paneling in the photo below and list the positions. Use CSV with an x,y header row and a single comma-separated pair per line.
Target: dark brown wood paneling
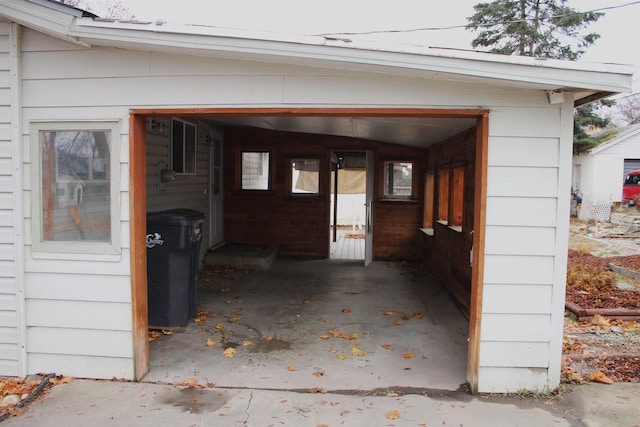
x,y
299,224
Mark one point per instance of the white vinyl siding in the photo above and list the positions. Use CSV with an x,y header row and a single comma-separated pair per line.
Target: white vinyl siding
x,y
521,310
9,335
90,296
186,191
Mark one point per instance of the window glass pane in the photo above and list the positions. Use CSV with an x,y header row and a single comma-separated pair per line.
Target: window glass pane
x,y
183,147
305,176
190,149
398,179
443,195
76,185
255,170
177,141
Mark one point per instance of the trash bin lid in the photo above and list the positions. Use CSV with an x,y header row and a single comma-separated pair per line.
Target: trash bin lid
x,y
175,217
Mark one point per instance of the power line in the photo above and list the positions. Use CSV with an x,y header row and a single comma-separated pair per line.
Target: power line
x,y
454,27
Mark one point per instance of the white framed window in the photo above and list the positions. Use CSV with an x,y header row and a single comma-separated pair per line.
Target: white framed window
x,y
398,180
255,170
75,186
305,176
183,147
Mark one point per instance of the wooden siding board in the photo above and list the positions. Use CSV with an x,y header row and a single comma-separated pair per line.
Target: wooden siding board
x,y
8,335
524,152
78,287
522,182
8,319
508,269
522,211
511,379
515,354
516,327
80,342
10,367
94,63
8,302
524,122
532,241
81,366
100,266
517,299
79,314
153,91
356,88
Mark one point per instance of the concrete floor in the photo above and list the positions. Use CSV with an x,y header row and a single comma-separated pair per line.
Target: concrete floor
x,y
292,327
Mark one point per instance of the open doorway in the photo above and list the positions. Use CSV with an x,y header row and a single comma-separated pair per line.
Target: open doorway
x,y
348,201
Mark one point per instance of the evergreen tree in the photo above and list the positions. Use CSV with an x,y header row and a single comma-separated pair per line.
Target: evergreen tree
x,y
540,28
543,29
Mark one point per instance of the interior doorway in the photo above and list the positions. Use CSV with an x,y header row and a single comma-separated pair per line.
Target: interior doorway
x,y
348,212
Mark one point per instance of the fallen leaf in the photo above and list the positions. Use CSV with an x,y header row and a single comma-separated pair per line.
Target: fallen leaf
x,y
306,301
341,356
318,374
168,332
599,377
324,337
385,346
397,323
219,326
291,368
247,343
417,315
210,343
230,352
234,319
358,352
392,394
408,355
388,313
346,310
236,310
393,415
268,338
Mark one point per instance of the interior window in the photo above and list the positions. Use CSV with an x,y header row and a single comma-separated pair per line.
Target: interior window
x,y
429,189
183,147
255,170
443,196
457,197
398,179
305,176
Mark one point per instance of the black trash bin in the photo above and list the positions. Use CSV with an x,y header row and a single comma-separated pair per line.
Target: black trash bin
x,y
173,253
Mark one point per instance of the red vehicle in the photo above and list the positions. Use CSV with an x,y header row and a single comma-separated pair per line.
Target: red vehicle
x,y
631,188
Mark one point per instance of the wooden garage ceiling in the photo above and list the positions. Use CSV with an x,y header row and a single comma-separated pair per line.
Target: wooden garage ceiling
x,y
415,132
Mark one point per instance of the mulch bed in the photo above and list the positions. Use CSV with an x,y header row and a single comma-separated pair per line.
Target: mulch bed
x,y
582,361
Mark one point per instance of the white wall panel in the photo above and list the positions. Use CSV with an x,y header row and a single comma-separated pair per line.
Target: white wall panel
x,y
525,152
535,241
81,366
532,212
79,315
522,182
80,342
78,287
508,269
515,298
511,380
515,354
516,327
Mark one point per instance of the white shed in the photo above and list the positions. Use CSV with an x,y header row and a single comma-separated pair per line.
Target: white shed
x,y
95,104
598,173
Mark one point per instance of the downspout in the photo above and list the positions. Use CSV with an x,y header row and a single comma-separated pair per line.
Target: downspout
x,y
15,84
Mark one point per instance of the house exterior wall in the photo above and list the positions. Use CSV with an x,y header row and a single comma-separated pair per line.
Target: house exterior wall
x,y
602,172
9,297
186,191
79,307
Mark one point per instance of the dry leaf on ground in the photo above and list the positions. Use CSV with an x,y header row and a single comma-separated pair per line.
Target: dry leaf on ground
x,y
291,368
358,352
408,355
393,415
230,352
210,343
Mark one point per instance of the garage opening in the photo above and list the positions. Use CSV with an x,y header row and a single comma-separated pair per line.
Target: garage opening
x,y
304,313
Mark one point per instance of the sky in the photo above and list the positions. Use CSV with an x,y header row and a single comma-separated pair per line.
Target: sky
x,y
619,28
